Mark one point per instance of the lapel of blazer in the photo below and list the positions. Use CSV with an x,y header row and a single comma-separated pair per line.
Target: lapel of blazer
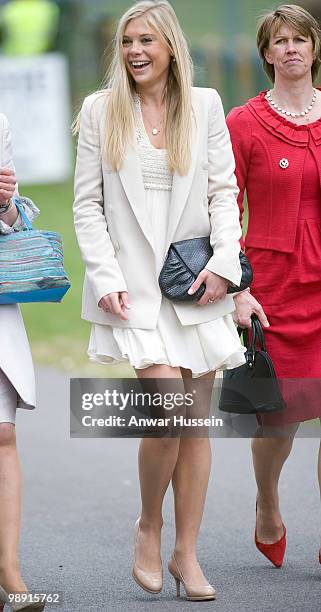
x,y
131,177
181,186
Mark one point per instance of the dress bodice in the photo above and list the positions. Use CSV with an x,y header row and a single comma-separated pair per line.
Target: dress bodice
x,y
154,162
310,188
310,200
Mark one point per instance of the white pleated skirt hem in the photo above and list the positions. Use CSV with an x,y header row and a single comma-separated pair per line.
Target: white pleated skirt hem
x,y
9,400
201,348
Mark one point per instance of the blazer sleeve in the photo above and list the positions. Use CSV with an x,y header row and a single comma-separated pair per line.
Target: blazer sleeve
x,y
97,251
6,161
222,194
6,150
240,133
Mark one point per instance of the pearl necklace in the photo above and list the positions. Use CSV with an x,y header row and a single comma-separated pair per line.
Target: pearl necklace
x,y
288,113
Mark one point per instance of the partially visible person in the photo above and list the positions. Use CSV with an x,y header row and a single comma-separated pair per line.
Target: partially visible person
x,y
29,26
17,389
276,139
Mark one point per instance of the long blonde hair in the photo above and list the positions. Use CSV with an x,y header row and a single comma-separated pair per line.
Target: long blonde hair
x,y
120,110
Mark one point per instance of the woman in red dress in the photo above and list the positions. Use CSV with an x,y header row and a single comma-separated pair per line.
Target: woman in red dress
x,y
276,139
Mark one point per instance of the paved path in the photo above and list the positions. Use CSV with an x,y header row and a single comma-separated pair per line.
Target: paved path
x,y
81,500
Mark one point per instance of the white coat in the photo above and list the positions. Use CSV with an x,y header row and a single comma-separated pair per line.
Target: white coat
x,y
15,355
112,224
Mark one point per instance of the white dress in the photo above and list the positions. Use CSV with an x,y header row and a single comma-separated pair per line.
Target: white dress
x,y
201,348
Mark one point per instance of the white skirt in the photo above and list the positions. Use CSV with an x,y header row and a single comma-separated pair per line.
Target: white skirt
x,y
201,348
15,356
8,400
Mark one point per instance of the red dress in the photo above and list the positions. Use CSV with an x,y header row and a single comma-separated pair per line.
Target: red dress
x,y
288,285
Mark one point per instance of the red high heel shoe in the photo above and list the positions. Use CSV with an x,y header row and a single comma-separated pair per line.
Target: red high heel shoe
x,y
274,552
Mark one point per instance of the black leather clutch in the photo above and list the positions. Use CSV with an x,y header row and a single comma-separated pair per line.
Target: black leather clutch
x,y
253,387
184,261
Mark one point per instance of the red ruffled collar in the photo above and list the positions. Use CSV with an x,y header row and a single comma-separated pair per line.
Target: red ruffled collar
x,y
260,108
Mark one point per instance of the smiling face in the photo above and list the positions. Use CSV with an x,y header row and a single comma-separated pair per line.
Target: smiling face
x,y
291,53
146,56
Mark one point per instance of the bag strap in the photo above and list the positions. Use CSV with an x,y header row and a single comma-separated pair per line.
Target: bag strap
x,y
257,335
259,332
250,345
28,223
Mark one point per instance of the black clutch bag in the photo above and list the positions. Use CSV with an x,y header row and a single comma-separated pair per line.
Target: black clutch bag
x,y
184,261
253,387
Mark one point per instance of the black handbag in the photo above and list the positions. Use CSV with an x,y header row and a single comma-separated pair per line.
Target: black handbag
x,y
184,261
253,387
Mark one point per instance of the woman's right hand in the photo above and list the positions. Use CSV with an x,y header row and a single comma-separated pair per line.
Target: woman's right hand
x,y
7,184
246,305
116,303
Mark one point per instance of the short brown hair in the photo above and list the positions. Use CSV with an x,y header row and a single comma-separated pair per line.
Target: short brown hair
x,y
296,18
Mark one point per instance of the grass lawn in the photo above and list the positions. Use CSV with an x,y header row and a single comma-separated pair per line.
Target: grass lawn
x,y
57,334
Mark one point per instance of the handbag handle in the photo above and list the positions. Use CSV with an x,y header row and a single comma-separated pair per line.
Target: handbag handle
x,y
257,335
259,332
28,223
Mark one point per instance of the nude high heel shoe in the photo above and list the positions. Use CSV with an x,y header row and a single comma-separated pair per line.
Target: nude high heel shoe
x,y
19,607
193,593
152,582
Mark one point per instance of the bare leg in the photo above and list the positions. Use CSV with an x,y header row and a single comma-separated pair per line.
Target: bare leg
x,y
319,466
10,507
156,460
190,482
319,470
269,456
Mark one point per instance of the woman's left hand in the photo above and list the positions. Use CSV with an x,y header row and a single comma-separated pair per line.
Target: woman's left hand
x,y
216,287
7,184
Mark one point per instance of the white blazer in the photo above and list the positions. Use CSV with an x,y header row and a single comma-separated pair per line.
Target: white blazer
x,y
15,356
112,224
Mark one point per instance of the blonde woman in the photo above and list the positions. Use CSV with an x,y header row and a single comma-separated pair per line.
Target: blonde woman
x,y
17,389
154,166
